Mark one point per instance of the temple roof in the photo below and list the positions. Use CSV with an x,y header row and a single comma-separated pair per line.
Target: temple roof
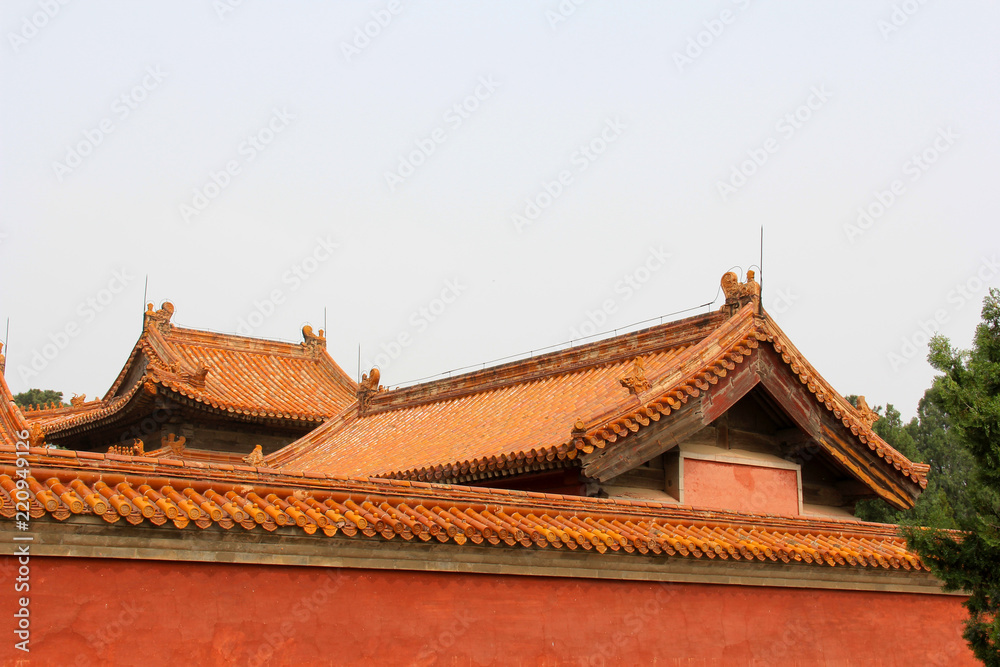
x,y
543,412
518,414
46,415
362,474
74,486
235,377
11,420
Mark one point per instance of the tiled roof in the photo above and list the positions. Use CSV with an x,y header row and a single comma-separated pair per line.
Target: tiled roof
x,y
849,416
44,416
520,415
11,420
237,377
126,490
175,448
544,412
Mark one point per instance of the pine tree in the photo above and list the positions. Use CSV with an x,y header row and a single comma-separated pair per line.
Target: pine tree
x,y
969,396
928,438
38,397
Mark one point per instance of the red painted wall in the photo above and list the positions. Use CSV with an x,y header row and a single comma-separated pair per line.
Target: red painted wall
x,y
147,613
743,488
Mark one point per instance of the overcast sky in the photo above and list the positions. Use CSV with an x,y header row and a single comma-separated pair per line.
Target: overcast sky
x,y
458,182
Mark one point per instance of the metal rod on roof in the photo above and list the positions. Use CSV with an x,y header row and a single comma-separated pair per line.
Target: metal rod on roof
x,y
145,287
531,353
325,332
760,299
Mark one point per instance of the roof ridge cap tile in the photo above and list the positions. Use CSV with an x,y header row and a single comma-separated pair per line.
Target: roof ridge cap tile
x,y
250,345
486,379
107,407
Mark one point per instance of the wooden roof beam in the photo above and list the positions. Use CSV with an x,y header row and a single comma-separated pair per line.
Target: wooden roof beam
x,y
632,452
820,426
678,426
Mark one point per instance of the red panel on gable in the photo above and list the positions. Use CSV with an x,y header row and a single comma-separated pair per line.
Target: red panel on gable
x,y
743,488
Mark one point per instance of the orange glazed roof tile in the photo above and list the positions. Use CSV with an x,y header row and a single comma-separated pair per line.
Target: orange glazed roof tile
x,y
517,415
64,485
243,378
44,416
12,424
174,448
543,412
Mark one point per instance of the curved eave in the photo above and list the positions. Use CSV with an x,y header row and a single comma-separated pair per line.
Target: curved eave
x,y
733,345
139,398
82,486
254,414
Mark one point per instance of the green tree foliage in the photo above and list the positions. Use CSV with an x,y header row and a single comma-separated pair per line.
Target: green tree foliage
x,y
929,438
969,396
38,397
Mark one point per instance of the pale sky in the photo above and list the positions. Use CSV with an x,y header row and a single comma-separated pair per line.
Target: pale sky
x,y
459,182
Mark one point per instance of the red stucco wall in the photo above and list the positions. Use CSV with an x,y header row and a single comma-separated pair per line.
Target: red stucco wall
x,y
743,488
96,612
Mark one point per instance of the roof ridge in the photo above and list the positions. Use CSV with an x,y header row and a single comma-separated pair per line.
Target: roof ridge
x,y
210,338
330,426
12,422
617,422
103,408
191,364
569,360
36,412
120,378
